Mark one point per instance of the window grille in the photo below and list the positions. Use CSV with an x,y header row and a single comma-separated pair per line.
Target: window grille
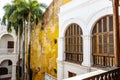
x,y
102,42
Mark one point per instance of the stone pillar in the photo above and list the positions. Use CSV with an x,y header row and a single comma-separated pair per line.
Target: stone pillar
x,y
87,51
60,69
15,45
13,72
60,59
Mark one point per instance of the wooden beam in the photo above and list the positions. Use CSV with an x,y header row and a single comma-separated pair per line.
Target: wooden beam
x,y
116,31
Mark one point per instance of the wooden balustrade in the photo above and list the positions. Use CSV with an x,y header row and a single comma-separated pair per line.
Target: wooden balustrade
x,y
75,58
102,60
110,75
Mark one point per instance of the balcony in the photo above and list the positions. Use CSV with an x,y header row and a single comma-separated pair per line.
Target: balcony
x,y
6,51
103,60
75,58
113,74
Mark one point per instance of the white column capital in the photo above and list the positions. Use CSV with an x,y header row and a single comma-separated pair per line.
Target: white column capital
x,y
59,61
14,65
86,37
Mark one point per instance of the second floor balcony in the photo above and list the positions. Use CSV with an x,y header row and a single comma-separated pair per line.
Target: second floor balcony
x,y
112,74
6,51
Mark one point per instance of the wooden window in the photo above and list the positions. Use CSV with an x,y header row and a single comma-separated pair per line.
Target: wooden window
x,y
10,44
102,42
74,44
9,63
70,74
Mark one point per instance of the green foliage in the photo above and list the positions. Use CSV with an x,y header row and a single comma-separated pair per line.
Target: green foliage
x,y
17,14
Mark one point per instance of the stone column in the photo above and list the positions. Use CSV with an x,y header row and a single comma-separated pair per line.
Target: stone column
x,y
15,43
60,59
87,51
13,72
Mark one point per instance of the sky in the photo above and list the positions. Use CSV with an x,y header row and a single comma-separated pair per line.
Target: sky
x,y
4,2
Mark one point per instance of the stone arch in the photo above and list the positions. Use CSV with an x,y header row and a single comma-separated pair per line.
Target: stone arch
x,y
7,43
8,58
66,24
4,33
97,16
13,40
69,26
97,21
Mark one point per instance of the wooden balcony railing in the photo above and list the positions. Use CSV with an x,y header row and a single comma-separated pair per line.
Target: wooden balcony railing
x,y
110,75
102,60
74,57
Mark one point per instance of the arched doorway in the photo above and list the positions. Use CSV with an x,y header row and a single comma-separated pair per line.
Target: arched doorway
x,y
102,42
74,44
6,70
3,71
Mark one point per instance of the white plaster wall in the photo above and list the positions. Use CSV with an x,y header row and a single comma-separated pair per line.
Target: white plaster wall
x,y
12,68
84,13
76,68
81,12
4,40
5,76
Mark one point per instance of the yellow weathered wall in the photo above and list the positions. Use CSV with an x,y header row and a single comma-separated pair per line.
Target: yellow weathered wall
x,y
37,60
65,1
44,50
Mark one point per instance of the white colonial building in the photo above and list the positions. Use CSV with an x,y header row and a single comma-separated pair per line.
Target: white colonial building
x,y
8,54
85,42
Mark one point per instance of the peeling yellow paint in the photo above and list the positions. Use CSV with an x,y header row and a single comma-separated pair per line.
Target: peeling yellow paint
x,y
65,1
44,44
44,52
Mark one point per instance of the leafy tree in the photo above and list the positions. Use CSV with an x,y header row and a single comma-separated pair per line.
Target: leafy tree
x,y
20,13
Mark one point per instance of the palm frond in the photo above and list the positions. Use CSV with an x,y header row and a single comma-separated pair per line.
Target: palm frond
x,y
9,28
